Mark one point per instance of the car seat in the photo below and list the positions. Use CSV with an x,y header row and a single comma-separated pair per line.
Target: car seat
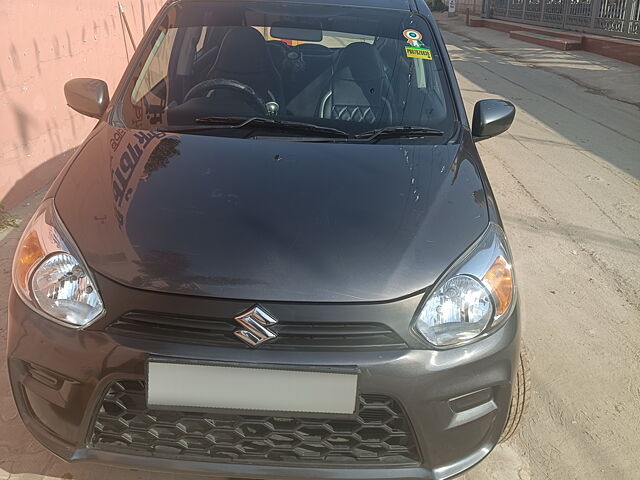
x,y
359,90
244,57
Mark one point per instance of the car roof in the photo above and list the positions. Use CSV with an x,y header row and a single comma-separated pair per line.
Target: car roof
x,y
408,5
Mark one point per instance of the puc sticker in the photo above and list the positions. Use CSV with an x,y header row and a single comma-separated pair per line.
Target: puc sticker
x,y
423,53
416,48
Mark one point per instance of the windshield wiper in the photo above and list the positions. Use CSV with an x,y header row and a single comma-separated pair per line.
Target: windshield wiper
x,y
399,132
208,123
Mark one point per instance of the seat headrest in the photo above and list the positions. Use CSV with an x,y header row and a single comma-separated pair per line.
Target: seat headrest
x,y
315,49
243,50
360,62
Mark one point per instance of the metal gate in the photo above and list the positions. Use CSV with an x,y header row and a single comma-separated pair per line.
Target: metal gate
x,y
620,18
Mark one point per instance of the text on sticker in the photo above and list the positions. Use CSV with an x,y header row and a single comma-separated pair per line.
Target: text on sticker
x,y
423,53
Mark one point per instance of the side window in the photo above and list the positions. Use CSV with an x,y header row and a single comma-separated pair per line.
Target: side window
x,y
156,67
204,44
421,77
427,76
201,40
429,93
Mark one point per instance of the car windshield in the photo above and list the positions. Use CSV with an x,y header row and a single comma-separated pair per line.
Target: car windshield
x,y
349,70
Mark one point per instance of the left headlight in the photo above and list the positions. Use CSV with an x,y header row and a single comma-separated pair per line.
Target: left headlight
x,y
474,297
50,275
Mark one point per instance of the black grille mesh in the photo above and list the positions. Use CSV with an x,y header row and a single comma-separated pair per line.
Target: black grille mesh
x,y
219,332
378,435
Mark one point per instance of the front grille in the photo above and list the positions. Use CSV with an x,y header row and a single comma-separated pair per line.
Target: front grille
x,y
219,332
378,435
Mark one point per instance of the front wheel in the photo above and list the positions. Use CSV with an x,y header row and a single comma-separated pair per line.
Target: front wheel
x,y
520,394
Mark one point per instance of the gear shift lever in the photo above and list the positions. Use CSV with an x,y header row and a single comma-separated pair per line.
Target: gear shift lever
x,y
272,108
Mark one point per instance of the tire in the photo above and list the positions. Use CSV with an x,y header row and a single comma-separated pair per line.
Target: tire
x,y
520,394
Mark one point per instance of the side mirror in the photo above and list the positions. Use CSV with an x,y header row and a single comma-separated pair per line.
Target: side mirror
x,y
87,96
491,118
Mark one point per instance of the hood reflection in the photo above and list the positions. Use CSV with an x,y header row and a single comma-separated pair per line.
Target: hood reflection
x,y
271,220
134,156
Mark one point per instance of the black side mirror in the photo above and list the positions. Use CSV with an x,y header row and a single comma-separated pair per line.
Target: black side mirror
x,y
87,96
491,118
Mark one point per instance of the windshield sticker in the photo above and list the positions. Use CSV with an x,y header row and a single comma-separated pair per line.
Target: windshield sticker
x,y
416,48
414,38
423,53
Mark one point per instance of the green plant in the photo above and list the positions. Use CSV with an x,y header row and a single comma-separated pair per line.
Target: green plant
x,y
7,219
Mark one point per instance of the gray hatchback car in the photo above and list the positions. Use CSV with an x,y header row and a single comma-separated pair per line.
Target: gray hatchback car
x,y
277,255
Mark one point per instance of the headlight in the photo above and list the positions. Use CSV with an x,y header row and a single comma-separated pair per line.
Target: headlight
x,y
50,275
474,297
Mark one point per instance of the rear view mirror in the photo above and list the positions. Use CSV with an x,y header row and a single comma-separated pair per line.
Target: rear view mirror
x,y
299,34
491,118
87,96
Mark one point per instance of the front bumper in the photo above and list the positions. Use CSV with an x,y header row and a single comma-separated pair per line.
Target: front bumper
x,y
456,400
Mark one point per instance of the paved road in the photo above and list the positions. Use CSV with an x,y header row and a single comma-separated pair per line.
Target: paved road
x,y
567,181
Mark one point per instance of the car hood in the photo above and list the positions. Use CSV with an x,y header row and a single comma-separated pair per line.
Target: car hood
x,y
270,220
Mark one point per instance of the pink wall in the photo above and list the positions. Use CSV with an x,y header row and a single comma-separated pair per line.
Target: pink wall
x,y
44,43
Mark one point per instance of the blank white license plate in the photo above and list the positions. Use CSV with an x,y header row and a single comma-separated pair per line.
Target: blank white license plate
x,y
207,386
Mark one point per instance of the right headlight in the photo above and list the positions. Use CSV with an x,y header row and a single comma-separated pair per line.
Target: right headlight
x,y
474,297
50,275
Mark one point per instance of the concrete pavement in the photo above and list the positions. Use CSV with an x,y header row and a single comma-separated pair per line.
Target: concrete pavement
x,y
588,71
567,179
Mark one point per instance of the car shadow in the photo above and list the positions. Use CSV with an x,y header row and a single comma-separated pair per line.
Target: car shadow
x,y
35,179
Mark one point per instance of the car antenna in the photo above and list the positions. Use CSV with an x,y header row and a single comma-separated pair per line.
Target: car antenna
x,y
123,20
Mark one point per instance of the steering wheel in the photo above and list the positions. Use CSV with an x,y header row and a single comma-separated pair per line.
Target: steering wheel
x,y
205,88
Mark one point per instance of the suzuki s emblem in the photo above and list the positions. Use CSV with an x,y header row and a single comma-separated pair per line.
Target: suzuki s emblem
x,y
255,325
